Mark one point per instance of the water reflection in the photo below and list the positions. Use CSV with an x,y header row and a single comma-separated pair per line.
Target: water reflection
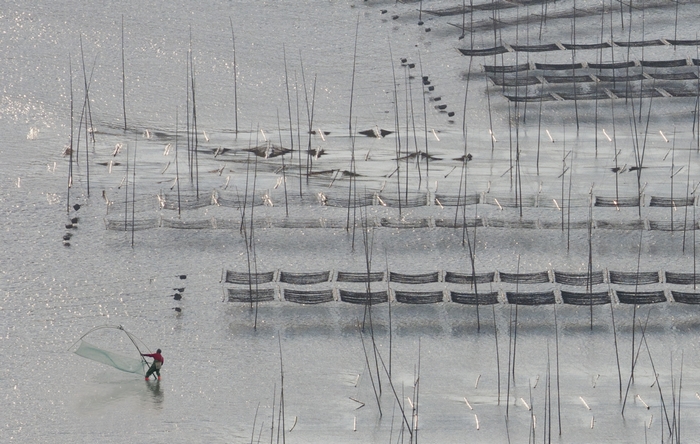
x,y
156,393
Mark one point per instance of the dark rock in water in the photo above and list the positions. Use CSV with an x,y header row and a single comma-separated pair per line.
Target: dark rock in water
x,y
76,207
268,151
325,133
425,78
178,309
347,173
411,65
437,99
318,152
67,236
177,296
465,158
403,60
182,276
420,23
461,37
431,88
451,114
69,226
421,155
426,82
441,107
427,29
394,17
180,290
383,11
66,244
74,220
375,132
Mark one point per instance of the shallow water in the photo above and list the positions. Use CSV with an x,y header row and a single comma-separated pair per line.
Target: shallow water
x,y
220,370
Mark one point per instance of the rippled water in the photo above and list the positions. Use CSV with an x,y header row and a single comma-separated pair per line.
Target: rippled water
x,y
220,371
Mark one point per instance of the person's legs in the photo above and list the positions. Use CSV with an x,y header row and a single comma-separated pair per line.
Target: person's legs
x,y
150,371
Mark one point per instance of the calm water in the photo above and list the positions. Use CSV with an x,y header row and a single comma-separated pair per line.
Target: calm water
x,y
220,371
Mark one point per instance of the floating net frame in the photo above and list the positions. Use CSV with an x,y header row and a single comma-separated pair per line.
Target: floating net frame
x,y
456,200
310,297
591,298
413,200
633,278
672,202
453,277
245,278
640,297
171,201
633,225
490,298
579,279
681,278
667,225
541,277
202,224
461,223
531,298
304,278
395,223
250,296
684,297
505,223
363,297
616,202
136,224
414,279
419,297
360,277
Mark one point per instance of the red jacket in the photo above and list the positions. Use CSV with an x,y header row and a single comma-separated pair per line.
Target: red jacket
x,y
156,356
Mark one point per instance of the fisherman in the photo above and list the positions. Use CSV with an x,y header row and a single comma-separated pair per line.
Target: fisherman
x,y
157,363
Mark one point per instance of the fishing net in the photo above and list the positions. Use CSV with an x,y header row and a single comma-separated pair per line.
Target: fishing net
x,y
536,48
123,363
129,224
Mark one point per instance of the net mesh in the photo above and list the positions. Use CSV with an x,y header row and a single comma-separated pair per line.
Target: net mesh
x,y
123,363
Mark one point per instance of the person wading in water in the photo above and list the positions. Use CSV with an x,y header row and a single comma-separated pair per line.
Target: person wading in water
x,y
157,363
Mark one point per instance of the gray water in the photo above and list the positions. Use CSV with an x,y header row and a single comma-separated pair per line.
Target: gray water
x,y
219,370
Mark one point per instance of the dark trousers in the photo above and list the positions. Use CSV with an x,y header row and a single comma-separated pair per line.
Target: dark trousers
x,y
152,370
